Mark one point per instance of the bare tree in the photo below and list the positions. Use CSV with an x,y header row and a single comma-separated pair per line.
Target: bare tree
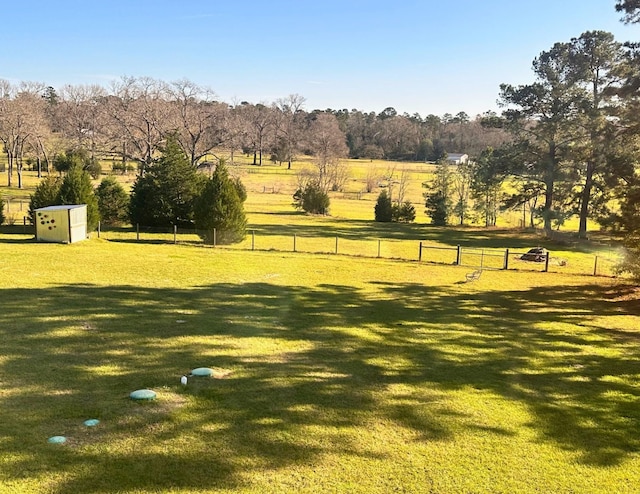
x,y
138,114
371,180
21,112
288,125
462,187
235,131
327,143
199,121
398,136
259,125
42,140
304,177
78,115
8,121
403,185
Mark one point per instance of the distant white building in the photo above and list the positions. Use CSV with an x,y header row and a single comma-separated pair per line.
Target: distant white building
x,y
457,158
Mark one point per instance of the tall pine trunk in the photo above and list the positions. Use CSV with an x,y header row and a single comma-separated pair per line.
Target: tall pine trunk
x,y
586,197
549,182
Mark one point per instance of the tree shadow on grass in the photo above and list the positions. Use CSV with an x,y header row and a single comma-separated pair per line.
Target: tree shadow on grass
x,y
17,230
331,358
145,241
16,234
16,240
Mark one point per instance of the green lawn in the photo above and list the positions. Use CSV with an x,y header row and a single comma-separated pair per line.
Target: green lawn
x,y
348,374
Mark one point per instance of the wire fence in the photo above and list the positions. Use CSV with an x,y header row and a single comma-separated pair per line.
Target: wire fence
x,y
400,249
508,259
570,262
16,210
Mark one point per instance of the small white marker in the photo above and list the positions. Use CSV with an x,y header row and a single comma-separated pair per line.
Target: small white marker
x,y
183,380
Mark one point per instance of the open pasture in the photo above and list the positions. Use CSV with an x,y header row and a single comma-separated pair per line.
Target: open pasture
x,y
275,184
346,374
275,225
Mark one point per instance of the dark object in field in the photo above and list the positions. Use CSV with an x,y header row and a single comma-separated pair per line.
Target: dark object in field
x,y
537,254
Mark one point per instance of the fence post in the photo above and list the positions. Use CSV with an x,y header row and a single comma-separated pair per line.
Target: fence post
x,y
138,231
175,234
214,237
294,242
595,267
379,247
458,256
253,240
546,263
98,229
420,253
336,244
506,259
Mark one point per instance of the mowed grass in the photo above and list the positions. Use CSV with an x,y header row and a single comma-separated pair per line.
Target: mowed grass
x,y
347,374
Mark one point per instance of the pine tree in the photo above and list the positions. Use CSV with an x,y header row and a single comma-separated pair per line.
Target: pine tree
x,y
46,194
165,194
438,204
76,188
220,207
438,207
383,210
113,201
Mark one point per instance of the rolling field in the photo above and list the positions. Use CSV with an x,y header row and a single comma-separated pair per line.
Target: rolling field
x,y
338,373
346,375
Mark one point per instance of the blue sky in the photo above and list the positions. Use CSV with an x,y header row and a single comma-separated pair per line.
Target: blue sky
x,y
417,56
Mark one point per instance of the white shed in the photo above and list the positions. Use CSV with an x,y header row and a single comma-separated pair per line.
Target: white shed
x,y
63,224
457,158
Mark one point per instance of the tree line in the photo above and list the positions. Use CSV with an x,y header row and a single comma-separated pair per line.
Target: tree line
x,y
572,140
130,120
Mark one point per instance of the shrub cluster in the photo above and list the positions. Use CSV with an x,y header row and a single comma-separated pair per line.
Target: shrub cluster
x,y
386,211
172,192
312,199
77,158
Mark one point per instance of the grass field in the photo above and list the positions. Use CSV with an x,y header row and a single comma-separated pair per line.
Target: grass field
x,y
347,375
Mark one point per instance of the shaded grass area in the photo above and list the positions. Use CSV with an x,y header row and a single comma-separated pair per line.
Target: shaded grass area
x,y
368,377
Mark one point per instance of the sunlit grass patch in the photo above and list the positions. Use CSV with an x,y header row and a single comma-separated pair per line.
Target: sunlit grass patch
x,y
346,372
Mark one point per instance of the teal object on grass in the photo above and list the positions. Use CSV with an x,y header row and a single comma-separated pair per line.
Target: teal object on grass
x,y
143,394
57,439
91,422
202,372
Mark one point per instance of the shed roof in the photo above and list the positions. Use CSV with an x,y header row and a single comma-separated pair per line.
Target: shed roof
x,y
61,207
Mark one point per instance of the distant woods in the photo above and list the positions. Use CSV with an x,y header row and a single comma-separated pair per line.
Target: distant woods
x,y
129,121
391,136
